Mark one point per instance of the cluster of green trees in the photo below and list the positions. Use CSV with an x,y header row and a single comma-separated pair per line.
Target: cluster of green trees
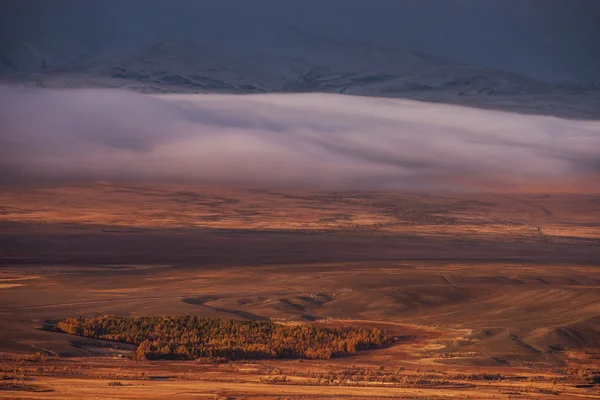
x,y
187,337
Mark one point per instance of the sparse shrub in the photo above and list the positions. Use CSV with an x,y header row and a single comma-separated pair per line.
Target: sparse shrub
x,y
275,379
33,358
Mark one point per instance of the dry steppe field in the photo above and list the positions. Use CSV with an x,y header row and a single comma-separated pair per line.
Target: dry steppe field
x,y
487,295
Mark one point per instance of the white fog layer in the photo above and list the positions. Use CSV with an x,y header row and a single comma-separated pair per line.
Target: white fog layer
x,y
284,139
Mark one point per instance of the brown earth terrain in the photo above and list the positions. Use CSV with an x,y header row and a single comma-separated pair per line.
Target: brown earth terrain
x,y
492,295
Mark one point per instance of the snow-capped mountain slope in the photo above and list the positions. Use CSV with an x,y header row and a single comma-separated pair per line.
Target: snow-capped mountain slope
x,y
554,41
273,58
235,48
269,60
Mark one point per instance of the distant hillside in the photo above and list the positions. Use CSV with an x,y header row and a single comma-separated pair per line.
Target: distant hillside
x,y
388,49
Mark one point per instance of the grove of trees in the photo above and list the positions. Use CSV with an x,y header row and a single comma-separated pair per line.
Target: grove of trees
x,y
188,337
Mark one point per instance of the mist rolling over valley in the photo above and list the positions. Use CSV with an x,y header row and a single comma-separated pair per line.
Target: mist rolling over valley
x,y
320,140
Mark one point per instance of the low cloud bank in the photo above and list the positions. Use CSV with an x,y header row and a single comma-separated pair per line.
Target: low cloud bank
x,y
318,140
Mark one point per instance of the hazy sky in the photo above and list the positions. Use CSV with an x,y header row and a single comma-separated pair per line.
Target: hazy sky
x,y
549,39
332,141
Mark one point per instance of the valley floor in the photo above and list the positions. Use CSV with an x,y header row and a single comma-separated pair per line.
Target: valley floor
x,y
490,296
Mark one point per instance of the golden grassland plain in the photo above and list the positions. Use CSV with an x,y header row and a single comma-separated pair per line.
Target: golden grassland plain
x,y
493,295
